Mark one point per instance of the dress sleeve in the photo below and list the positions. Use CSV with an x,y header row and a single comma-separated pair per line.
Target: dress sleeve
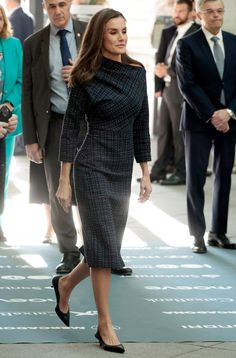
x,y
14,94
142,151
74,115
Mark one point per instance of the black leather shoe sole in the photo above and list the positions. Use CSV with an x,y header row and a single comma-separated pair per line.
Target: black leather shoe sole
x,y
153,178
216,243
199,246
67,267
199,249
173,181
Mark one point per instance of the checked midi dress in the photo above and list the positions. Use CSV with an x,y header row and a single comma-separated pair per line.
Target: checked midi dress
x,y
106,126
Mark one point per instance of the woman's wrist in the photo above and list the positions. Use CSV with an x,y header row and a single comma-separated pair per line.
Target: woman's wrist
x,y
64,180
144,168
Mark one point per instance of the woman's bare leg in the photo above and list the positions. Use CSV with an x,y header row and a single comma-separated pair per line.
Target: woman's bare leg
x,y
68,282
101,288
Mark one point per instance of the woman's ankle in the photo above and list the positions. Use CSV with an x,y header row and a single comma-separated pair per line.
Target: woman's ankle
x,y
108,333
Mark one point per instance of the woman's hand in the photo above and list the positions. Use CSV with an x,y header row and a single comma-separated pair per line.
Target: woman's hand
x,y
8,127
12,123
64,194
145,189
3,129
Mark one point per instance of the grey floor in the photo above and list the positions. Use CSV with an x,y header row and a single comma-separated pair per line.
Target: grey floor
x,y
133,350
163,198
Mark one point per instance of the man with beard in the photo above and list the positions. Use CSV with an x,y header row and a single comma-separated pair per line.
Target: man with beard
x,y
170,141
205,64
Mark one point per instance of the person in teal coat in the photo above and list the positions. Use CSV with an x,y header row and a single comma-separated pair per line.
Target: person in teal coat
x,y
10,85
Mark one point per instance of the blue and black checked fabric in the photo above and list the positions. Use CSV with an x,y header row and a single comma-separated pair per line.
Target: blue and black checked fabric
x,y
115,107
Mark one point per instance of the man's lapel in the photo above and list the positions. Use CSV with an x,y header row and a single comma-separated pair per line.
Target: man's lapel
x,y
189,31
78,34
228,53
205,48
45,49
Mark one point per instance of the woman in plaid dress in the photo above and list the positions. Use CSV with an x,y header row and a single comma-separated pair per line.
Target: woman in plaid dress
x,y
105,128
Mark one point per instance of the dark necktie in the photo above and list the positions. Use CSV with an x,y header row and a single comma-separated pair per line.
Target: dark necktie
x,y
168,51
65,52
220,60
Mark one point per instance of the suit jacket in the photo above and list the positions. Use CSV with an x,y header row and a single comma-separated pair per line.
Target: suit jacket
x,y
200,82
166,37
12,50
22,24
36,83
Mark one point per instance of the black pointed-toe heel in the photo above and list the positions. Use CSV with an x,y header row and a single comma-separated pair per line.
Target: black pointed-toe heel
x,y
64,317
119,348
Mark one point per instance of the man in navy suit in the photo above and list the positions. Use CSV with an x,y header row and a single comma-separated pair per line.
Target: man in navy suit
x,y
206,63
22,24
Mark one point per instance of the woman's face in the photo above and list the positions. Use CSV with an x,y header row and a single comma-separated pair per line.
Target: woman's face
x,y
1,22
115,39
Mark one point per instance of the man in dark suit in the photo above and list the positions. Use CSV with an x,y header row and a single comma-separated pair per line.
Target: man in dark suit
x,y
206,65
23,26
45,96
169,137
22,23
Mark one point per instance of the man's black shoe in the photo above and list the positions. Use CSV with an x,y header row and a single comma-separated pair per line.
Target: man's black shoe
x,y
123,271
220,240
68,262
174,179
199,246
170,169
2,237
154,178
